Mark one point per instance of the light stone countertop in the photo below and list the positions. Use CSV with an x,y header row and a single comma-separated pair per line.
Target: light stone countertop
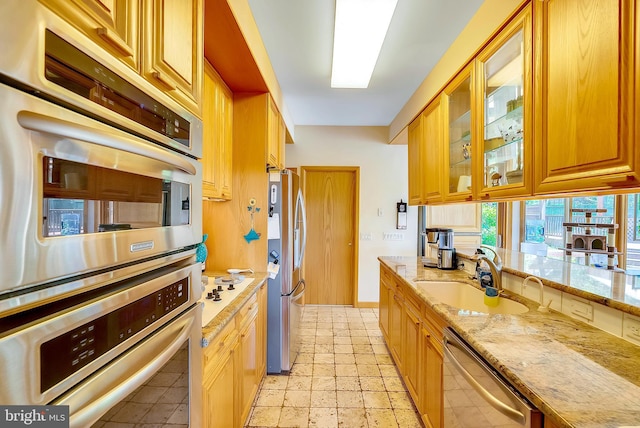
x,y
577,375
218,322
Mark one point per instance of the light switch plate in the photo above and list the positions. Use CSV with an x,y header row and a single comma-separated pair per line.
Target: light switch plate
x,y
393,236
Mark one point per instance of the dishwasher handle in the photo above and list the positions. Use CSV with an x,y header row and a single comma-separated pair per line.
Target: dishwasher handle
x,y
500,406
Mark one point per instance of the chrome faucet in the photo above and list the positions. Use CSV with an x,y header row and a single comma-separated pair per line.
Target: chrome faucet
x,y
495,265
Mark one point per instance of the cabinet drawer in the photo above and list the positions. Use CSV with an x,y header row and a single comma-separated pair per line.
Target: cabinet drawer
x,y
248,311
433,323
386,276
410,297
217,348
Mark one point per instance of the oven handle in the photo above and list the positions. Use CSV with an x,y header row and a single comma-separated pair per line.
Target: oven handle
x,y
90,411
500,406
51,125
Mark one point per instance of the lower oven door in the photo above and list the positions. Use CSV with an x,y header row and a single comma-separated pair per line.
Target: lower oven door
x,y
157,382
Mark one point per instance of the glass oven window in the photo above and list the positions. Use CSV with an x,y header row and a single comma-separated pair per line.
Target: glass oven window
x,y
162,401
80,198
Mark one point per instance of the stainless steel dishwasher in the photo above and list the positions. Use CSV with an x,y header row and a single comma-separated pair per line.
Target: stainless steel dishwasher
x,y
476,395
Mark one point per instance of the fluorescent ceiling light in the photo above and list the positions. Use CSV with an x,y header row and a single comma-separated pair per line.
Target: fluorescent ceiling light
x,y
360,29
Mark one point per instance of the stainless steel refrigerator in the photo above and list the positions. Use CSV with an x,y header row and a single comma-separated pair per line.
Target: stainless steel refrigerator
x,y
287,240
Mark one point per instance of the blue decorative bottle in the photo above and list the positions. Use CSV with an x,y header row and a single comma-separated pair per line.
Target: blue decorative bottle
x,y
201,252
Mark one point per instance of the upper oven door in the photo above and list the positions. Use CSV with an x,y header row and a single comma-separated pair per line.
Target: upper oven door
x,y
82,196
45,55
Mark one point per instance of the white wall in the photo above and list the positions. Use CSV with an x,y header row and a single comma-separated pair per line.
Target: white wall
x,y
383,182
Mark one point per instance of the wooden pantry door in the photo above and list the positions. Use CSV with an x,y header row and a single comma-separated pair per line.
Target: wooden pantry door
x,y
330,259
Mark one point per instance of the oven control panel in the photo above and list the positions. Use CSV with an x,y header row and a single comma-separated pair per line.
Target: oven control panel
x,y
64,355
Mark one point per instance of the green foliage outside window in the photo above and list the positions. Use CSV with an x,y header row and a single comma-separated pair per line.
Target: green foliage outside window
x,y
489,223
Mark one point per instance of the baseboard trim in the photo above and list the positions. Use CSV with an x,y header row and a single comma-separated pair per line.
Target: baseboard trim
x,y
367,305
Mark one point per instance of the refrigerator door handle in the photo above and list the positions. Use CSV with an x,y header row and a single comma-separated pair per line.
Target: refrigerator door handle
x,y
300,283
302,218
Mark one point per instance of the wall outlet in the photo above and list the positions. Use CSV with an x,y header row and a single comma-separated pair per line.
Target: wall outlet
x,y
580,309
393,236
366,236
631,329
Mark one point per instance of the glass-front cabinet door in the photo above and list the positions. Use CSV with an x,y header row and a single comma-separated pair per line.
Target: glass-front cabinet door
x,y
504,108
457,103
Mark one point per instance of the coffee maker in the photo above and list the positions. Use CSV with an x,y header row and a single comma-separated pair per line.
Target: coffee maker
x,y
446,253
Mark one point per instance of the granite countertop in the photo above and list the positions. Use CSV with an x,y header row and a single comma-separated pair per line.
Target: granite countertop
x,y
607,287
577,375
233,306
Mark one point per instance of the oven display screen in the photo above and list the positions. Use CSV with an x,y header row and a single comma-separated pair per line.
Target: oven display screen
x,y
64,355
72,69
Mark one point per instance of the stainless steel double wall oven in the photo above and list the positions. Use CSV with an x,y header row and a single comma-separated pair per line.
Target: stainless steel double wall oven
x,y
100,193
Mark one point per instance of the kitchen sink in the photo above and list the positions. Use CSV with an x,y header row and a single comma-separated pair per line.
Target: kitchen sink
x,y
467,297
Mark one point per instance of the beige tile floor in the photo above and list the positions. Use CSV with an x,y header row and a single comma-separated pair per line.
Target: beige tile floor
x,y
343,377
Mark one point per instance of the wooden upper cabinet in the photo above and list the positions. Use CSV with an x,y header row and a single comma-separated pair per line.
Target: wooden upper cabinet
x,y
217,147
504,164
273,135
162,40
584,106
282,139
112,24
173,48
431,154
459,145
416,168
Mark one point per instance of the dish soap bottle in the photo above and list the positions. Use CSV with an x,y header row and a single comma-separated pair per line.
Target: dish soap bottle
x,y
491,296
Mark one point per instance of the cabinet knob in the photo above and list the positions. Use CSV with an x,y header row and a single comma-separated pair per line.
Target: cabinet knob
x,y
469,198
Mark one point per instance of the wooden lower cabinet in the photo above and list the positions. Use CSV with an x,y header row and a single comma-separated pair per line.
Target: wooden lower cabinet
x,y
234,365
432,393
262,331
220,390
383,316
249,370
415,342
395,328
412,358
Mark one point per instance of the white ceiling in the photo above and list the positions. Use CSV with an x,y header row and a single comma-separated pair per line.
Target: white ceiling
x,y
298,36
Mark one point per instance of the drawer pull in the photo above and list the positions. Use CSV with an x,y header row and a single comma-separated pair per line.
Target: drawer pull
x,y
620,180
115,41
164,80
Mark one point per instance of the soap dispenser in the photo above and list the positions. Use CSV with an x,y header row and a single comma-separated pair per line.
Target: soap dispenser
x,y
483,272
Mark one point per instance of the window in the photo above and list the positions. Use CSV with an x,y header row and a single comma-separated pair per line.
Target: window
x,y
543,232
490,223
633,234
